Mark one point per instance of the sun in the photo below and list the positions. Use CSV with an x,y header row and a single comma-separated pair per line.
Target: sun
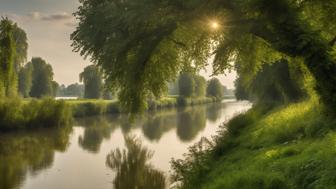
x,y
214,25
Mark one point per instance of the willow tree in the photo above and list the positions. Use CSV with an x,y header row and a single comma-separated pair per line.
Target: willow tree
x,y
8,77
93,84
143,44
21,46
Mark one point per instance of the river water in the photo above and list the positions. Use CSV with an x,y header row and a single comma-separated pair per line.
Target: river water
x,y
105,152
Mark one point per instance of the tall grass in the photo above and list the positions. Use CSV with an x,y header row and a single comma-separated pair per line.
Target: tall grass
x,y
17,114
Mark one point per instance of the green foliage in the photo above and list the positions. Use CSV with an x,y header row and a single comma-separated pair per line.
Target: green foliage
x,y
42,78
186,84
25,80
54,87
16,114
93,107
93,84
21,46
142,45
275,83
215,89
200,86
8,76
71,90
285,147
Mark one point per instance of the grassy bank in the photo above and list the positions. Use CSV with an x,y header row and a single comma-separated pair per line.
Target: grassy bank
x,y
292,146
82,108
18,114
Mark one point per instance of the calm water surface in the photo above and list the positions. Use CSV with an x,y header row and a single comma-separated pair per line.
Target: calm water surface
x,y
105,152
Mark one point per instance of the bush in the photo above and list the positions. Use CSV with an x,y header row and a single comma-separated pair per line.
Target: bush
x,y
16,114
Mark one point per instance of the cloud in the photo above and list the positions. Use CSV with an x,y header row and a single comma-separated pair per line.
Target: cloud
x,y
57,17
34,16
37,16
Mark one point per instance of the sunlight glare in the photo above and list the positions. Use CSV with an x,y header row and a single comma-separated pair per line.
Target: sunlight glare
x,y
214,25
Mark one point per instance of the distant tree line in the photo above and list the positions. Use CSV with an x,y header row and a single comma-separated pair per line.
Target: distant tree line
x,y
72,90
190,84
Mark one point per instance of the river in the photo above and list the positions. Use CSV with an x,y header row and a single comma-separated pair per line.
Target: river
x,y
90,154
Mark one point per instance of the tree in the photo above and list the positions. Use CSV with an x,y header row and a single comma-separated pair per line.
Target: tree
x,y
186,84
93,84
215,88
25,80
74,90
200,86
42,77
8,76
143,44
55,87
21,46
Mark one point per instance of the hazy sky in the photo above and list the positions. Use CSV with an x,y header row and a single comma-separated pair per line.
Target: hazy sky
x,y
48,24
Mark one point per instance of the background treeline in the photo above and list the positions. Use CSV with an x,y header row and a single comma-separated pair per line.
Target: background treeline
x,y
189,84
36,79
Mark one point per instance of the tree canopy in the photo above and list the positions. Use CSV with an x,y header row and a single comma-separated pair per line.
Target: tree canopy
x,y
42,78
141,45
8,77
93,84
215,88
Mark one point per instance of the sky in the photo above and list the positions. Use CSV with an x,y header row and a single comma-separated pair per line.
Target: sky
x,y
48,24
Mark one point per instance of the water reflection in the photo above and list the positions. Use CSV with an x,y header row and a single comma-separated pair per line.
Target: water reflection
x,y
157,124
190,122
214,111
96,130
132,167
82,164
29,152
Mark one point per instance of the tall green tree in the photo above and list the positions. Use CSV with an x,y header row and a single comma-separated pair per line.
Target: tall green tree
x,y
142,44
200,86
8,76
93,84
21,46
55,87
25,79
42,78
215,88
186,84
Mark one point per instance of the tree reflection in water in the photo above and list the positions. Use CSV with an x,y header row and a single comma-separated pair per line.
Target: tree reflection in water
x,y
214,111
132,167
190,123
96,130
29,152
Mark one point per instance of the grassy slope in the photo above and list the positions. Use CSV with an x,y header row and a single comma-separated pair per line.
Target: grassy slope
x,y
290,147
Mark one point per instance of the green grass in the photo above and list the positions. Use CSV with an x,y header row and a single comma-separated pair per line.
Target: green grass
x,y
292,146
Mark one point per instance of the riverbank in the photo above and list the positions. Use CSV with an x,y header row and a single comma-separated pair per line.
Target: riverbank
x,y
88,107
16,113
287,147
